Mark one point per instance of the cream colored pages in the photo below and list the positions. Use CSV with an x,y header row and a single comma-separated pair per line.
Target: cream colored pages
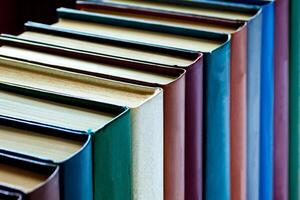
x,y
73,84
21,179
120,51
235,15
167,21
85,65
146,113
47,112
139,35
39,145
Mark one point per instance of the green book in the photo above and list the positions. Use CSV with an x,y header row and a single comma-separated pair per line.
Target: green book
x,y
294,177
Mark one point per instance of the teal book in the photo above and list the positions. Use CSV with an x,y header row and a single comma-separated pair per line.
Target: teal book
x,y
92,144
294,103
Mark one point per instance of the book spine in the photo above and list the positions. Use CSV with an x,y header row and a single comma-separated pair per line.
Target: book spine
x,y
49,191
194,131
294,131
281,104
253,106
267,104
112,160
174,137
216,124
147,149
238,111
76,175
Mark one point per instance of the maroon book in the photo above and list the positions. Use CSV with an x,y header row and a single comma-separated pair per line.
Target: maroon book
x,y
281,113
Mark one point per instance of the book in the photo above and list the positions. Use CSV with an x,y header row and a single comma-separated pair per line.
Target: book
x,y
294,102
190,61
146,105
238,30
281,100
25,178
161,35
102,121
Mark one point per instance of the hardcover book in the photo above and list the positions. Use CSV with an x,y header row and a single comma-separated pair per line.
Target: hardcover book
x,y
146,105
24,178
294,122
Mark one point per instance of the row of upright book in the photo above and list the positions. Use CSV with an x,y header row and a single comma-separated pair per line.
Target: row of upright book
x,y
150,100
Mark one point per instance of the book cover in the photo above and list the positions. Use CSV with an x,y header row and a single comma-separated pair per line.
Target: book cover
x,y
146,105
24,178
222,49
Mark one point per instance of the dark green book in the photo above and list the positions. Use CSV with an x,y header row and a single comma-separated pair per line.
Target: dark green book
x,y
294,169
